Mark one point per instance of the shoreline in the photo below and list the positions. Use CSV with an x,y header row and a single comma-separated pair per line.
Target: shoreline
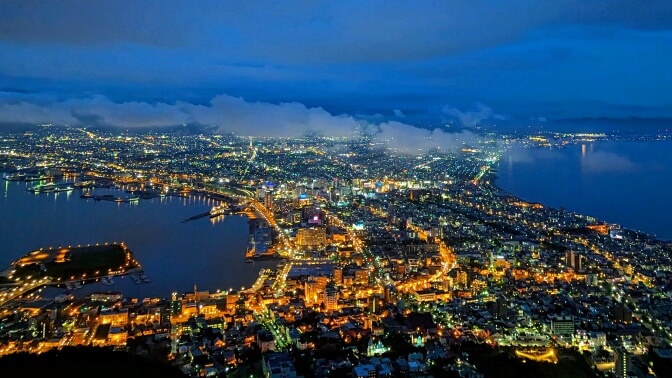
x,y
621,226
493,178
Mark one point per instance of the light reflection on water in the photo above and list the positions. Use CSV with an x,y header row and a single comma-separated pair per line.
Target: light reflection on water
x,y
209,252
620,182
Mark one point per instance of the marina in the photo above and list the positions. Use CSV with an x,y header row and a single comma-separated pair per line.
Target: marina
x,y
167,247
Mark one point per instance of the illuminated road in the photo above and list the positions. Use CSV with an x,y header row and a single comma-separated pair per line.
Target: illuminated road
x,y
16,292
282,341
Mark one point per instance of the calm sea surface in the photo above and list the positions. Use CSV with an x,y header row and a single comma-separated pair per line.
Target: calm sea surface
x,y
629,183
175,255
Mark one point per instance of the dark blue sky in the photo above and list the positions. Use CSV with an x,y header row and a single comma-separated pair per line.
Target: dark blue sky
x,y
166,62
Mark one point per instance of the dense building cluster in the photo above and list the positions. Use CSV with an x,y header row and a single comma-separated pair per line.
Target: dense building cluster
x,y
392,264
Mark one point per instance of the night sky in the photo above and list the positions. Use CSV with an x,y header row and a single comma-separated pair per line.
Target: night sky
x,y
281,68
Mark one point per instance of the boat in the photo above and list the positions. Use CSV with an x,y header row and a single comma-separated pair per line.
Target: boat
x,y
16,177
34,178
126,199
41,189
78,285
217,211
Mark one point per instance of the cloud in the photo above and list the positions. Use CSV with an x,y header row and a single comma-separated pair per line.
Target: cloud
x,y
473,117
300,31
398,113
234,114
409,139
97,109
230,114
350,56
519,154
602,161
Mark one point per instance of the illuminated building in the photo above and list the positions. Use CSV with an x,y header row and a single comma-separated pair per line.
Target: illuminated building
x,y
231,299
623,363
268,200
311,237
314,289
563,325
574,260
338,276
331,298
373,349
390,293
114,317
106,296
361,276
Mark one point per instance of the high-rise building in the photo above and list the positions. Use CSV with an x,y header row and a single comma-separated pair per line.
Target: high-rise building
x,y
338,275
574,260
314,289
268,201
331,298
623,363
621,313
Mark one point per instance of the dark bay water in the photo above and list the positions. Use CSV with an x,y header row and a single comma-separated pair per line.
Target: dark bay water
x,y
175,255
629,183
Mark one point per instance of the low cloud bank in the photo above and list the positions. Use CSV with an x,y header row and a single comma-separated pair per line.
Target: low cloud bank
x,y
473,118
231,114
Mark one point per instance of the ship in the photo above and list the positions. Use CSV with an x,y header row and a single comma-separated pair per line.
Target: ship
x,y
16,177
217,211
63,189
49,188
127,199
34,178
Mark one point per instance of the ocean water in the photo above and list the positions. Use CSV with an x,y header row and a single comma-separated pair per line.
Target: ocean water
x,y
623,182
209,253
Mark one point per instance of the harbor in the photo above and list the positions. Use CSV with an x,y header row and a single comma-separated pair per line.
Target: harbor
x,y
69,267
167,248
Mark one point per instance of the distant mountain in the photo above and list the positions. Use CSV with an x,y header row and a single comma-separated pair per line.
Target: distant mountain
x,y
629,125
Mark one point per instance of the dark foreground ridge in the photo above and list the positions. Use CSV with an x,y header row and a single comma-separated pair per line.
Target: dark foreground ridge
x,y
75,362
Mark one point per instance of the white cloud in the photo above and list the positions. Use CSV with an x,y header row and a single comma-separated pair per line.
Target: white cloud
x,y
602,161
473,118
231,114
409,139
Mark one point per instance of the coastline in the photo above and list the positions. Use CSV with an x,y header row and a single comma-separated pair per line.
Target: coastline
x,y
650,236
641,227
220,242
